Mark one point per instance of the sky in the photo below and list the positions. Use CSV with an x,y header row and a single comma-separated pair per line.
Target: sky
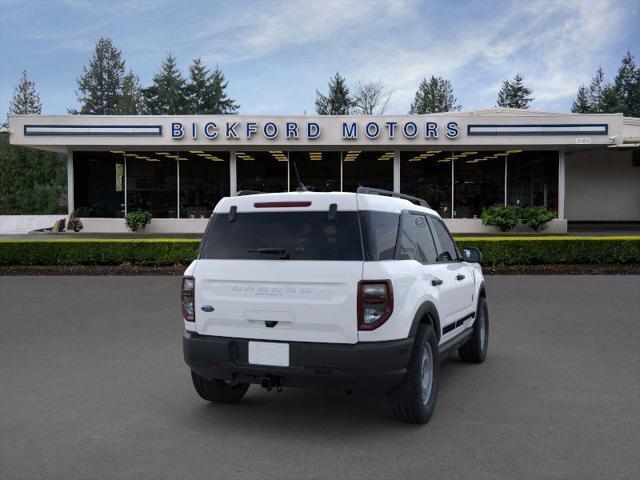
x,y
275,54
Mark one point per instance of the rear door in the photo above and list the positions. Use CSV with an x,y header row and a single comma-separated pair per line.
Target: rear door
x,y
280,273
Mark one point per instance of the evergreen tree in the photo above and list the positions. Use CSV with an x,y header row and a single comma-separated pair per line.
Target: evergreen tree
x,y
25,99
167,95
627,86
218,100
100,85
338,101
31,181
581,104
433,96
206,91
130,101
514,94
196,89
596,91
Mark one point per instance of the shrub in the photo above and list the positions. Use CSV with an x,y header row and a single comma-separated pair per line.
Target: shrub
x,y
137,220
504,218
74,223
537,217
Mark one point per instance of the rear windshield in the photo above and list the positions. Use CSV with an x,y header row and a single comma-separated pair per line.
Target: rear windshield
x,y
283,235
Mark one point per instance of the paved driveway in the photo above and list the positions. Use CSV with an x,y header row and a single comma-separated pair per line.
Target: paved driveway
x,y
92,385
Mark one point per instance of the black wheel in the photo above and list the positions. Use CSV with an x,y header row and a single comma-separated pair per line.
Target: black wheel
x,y
218,391
474,350
415,399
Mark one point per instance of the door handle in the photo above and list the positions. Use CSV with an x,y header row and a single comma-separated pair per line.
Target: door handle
x,y
460,277
436,281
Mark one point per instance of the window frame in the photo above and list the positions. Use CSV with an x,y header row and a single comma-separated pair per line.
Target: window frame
x,y
458,259
403,214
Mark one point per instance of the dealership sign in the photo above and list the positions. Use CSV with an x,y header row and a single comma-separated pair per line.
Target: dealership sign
x,y
292,130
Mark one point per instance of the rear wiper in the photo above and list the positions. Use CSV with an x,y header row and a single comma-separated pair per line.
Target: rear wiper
x,y
284,254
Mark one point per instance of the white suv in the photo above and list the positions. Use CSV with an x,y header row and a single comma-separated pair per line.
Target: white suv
x,y
351,291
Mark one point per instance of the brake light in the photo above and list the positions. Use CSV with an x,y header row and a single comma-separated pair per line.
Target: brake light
x,y
375,303
187,299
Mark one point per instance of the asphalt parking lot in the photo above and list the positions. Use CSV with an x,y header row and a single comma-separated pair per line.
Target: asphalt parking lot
x,y
93,385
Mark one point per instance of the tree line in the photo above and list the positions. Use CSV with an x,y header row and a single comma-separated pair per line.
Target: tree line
x,y
33,181
106,88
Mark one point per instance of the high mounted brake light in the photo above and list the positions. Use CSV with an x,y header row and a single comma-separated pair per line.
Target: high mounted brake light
x,y
188,299
375,303
281,204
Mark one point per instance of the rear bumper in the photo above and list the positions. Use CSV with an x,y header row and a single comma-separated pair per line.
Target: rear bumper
x,y
374,366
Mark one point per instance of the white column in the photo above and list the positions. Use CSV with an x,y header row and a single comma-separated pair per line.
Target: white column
x,y
125,186
506,167
561,176
233,177
396,171
453,183
70,186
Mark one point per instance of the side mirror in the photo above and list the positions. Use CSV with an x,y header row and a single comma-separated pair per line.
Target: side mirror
x,y
471,255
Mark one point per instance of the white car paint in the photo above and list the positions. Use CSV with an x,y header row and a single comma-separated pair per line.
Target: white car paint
x,y
316,301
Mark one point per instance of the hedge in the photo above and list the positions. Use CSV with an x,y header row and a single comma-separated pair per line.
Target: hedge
x,y
568,250
98,252
495,250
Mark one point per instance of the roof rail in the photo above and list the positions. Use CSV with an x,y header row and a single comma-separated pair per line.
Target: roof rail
x,y
389,193
242,193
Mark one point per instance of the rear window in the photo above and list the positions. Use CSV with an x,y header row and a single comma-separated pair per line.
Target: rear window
x,y
302,235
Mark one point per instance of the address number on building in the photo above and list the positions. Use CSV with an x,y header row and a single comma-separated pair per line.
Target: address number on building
x,y
583,141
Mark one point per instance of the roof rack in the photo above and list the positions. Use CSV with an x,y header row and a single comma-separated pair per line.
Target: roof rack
x,y
242,193
389,193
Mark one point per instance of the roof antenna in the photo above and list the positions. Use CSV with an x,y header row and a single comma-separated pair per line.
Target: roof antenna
x,y
301,186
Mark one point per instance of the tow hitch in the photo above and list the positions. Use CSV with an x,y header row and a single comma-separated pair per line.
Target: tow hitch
x,y
268,383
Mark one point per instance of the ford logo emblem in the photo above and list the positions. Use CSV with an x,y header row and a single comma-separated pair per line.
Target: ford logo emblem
x,y
207,308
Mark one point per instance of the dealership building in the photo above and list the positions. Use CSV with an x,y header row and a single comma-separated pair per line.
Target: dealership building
x,y
586,168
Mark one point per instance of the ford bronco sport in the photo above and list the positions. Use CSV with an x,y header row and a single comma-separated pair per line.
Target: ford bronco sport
x,y
351,291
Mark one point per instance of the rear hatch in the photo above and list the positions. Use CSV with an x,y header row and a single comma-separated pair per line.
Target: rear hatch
x,y
281,267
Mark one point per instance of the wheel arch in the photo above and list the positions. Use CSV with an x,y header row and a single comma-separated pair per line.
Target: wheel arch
x,y
427,314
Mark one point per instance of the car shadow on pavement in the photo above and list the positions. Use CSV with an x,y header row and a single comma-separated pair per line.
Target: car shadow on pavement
x,y
295,411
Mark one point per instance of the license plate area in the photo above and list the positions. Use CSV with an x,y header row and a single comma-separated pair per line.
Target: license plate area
x,y
269,353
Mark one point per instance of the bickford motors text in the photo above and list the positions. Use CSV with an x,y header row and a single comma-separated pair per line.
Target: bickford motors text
x,y
349,130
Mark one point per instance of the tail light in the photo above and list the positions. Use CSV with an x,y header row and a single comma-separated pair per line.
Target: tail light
x,y
187,299
375,303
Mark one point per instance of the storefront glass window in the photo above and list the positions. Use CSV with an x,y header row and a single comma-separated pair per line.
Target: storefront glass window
x,y
532,179
204,180
319,171
427,174
152,183
478,182
99,184
369,169
262,171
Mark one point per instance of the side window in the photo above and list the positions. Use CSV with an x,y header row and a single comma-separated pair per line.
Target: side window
x,y
448,250
416,242
379,234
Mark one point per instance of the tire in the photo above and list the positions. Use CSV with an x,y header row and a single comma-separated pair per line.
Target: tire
x,y
415,399
474,350
218,391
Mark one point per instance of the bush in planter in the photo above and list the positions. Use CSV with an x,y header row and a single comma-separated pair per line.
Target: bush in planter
x,y
504,218
137,220
74,223
537,217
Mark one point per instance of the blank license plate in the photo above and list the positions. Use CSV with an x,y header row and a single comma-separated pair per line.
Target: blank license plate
x,y
268,353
